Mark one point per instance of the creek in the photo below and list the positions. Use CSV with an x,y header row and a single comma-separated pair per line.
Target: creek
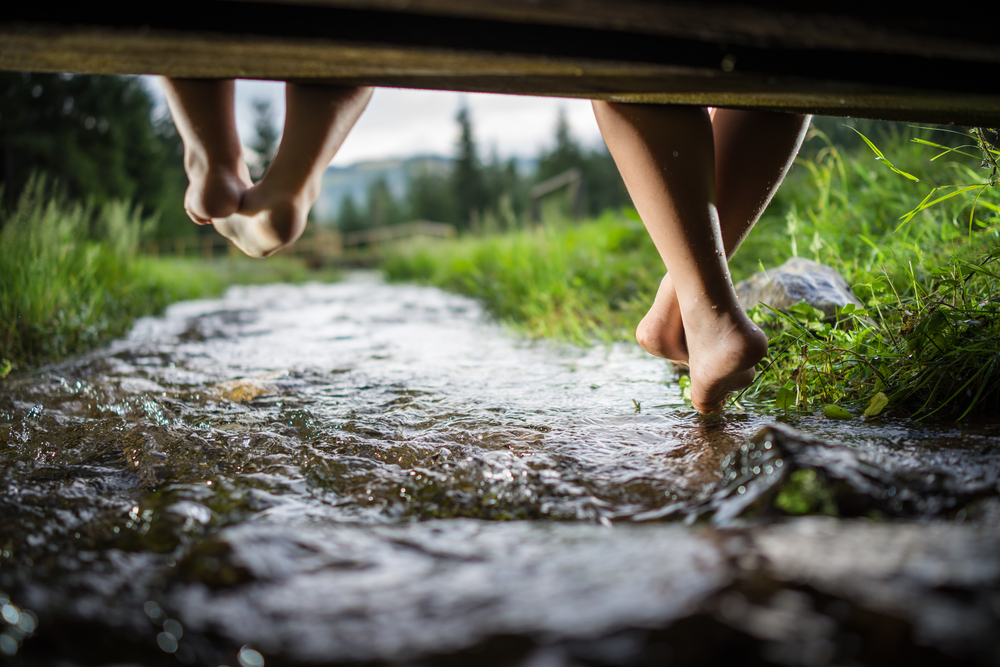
x,y
363,473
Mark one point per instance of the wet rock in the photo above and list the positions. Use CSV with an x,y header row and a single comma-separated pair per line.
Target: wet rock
x,y
244,390
342,593
346,593
796,280
943,580
889,479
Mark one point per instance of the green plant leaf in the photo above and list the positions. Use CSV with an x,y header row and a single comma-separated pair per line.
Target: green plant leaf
x,y
877,404
806,313
786,396
835,412
847,309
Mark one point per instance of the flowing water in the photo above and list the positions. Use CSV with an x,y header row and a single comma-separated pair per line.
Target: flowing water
x,y
370,473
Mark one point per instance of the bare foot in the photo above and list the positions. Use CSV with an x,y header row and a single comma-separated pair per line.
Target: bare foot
x,y
266,221
215,191
724,347
661,331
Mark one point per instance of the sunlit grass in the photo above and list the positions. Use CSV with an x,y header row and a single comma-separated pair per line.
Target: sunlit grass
x,y
928,341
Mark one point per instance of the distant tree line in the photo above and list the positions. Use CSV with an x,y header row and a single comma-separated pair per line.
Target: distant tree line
x,y
93,135
477,195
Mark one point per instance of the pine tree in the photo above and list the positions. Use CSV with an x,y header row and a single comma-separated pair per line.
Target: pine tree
x,y
602,185
94,135
349,218
382,207
265,143
429,197
564,156
467,177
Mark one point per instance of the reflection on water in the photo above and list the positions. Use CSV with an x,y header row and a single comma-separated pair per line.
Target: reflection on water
x,y
328,473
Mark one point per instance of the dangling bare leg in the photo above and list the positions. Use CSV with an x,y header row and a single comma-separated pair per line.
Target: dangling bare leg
x,y
203,112
753,152
666,158
273,213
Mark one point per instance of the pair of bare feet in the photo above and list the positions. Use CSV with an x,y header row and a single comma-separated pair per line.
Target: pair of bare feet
x,y
263,218
700,179
725,346
258,219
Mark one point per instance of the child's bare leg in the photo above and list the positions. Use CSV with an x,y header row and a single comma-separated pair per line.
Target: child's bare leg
x,y
203,112
666,158
753,152
273,213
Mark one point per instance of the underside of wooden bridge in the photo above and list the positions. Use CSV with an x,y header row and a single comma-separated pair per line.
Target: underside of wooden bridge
x,y
851,59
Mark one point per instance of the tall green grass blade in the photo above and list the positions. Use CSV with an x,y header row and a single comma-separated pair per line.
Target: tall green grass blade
x,y
925,204
882,158
945,149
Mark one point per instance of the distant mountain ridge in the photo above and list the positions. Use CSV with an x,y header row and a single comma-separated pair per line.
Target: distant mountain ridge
x,y
355,180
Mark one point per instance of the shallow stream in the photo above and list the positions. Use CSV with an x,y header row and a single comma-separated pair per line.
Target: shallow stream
x,y
370,473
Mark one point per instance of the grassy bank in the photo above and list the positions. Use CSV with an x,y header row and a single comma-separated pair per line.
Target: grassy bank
x,y
577,282
71,276
928,339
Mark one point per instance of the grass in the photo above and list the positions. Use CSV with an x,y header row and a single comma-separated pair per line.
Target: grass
x,y
71,277
913,226
918,239
576,282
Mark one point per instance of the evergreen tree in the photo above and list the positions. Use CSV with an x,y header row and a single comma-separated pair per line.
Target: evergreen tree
x,y
507,192
94,135
349,218
604,187
382,207
467,176
429,197
602,184
564,156
265,143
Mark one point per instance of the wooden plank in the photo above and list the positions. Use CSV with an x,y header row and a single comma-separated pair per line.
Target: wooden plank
x,y
768,55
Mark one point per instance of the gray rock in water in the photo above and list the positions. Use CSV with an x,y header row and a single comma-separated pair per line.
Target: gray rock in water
x,y
798,279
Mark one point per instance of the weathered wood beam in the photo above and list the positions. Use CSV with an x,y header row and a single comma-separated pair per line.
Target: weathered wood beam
x,y
773,55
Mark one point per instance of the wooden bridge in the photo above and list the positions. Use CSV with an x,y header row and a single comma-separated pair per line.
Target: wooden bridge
x,y
844,59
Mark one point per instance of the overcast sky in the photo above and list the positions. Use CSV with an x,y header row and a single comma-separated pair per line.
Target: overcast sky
x,y
401,123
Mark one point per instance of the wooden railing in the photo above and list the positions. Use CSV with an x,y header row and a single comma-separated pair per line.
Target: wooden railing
x,y
325,245
571,181
377,237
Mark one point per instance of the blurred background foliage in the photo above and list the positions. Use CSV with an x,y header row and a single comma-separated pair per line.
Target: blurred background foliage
x,y
95,137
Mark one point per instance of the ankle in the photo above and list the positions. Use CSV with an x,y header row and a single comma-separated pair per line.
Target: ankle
x,y
198,163
292,192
